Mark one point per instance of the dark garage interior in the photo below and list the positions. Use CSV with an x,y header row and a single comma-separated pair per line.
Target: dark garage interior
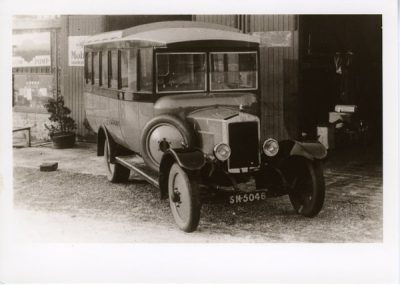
x,y
341,63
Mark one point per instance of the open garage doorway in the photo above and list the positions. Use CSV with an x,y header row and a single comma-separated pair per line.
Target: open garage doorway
x,y
341,64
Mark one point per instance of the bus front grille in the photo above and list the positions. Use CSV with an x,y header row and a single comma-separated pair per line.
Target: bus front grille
x,y
244,143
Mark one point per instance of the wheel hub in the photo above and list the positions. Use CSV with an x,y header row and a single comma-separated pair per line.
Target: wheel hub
x,y
161,138
176,197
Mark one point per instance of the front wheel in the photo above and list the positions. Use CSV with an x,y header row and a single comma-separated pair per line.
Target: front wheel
x,y
307,186
184,198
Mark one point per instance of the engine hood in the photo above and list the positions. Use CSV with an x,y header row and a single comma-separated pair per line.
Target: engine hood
x,y
214,113
210,113
188,103
211,124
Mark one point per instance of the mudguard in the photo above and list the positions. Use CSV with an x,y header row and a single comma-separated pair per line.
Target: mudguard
x,y
102,136
188,159
309,150
272,169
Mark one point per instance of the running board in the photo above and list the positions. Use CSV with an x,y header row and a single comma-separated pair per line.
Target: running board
x,y
136,163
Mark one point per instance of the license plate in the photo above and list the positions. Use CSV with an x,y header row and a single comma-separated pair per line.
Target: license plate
x,y
240,198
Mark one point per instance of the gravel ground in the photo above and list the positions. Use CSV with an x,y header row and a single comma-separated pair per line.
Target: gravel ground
x,y
77,204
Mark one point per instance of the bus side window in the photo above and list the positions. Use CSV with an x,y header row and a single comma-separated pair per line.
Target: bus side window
x,y
88,67
113,69
145,70
104,69
96,68
128,69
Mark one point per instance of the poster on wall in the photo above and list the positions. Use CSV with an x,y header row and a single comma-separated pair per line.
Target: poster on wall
x,y
75,50
31,49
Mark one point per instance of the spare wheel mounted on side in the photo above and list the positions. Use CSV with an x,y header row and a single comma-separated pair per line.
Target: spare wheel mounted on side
x,y
161,133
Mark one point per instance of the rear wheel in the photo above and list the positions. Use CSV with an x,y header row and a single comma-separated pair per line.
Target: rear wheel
x,y
115,172
184,198
307,191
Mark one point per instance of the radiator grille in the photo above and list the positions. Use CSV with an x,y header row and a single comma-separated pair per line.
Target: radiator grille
x,y
243,140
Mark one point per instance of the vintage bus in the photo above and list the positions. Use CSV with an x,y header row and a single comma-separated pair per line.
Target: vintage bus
x,y
179,104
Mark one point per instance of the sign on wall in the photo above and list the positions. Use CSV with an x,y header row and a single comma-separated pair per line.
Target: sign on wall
x,y
75,50
31,49
276,38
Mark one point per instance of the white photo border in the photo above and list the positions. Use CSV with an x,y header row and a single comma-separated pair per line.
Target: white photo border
x,y
293,262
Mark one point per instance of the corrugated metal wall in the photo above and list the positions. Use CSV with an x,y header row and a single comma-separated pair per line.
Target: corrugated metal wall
x,y
279,69
71,83
227,20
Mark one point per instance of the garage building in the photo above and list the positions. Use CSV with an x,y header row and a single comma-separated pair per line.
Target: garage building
x,y
309,64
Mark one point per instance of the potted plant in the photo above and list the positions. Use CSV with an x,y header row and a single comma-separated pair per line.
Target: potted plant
x,y
61,127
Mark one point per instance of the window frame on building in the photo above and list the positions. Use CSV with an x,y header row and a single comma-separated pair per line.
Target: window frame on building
x,y
51,70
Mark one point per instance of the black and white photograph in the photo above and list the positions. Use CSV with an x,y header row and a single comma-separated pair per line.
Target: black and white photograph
x,y
176,139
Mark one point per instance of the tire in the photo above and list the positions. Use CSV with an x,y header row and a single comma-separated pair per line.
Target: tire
x,y
115,172
184,199
307,193
152,156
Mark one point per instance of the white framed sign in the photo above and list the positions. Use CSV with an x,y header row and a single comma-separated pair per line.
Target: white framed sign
x,y
75,50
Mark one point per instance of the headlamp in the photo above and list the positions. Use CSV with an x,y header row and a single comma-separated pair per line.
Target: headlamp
x,y
270,147
222,151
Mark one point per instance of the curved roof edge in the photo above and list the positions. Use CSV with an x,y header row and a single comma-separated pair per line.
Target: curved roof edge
x,y
175,24
169,33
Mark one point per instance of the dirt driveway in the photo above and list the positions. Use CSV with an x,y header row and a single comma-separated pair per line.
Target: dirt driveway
x,y
77,204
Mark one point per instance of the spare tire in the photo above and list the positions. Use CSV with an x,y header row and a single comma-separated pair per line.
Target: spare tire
x,y
161,133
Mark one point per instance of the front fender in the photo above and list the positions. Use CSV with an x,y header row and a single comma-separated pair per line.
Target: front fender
x,y
102,136
309,150
287,148
188,159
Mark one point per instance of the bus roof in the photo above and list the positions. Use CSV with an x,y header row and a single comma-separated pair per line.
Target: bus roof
x,y
165,33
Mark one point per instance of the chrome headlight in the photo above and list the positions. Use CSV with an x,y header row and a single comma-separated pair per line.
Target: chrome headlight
x,y
270,147
222,151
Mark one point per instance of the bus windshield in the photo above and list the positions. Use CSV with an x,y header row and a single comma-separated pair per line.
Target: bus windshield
x,y
233,70
181,72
